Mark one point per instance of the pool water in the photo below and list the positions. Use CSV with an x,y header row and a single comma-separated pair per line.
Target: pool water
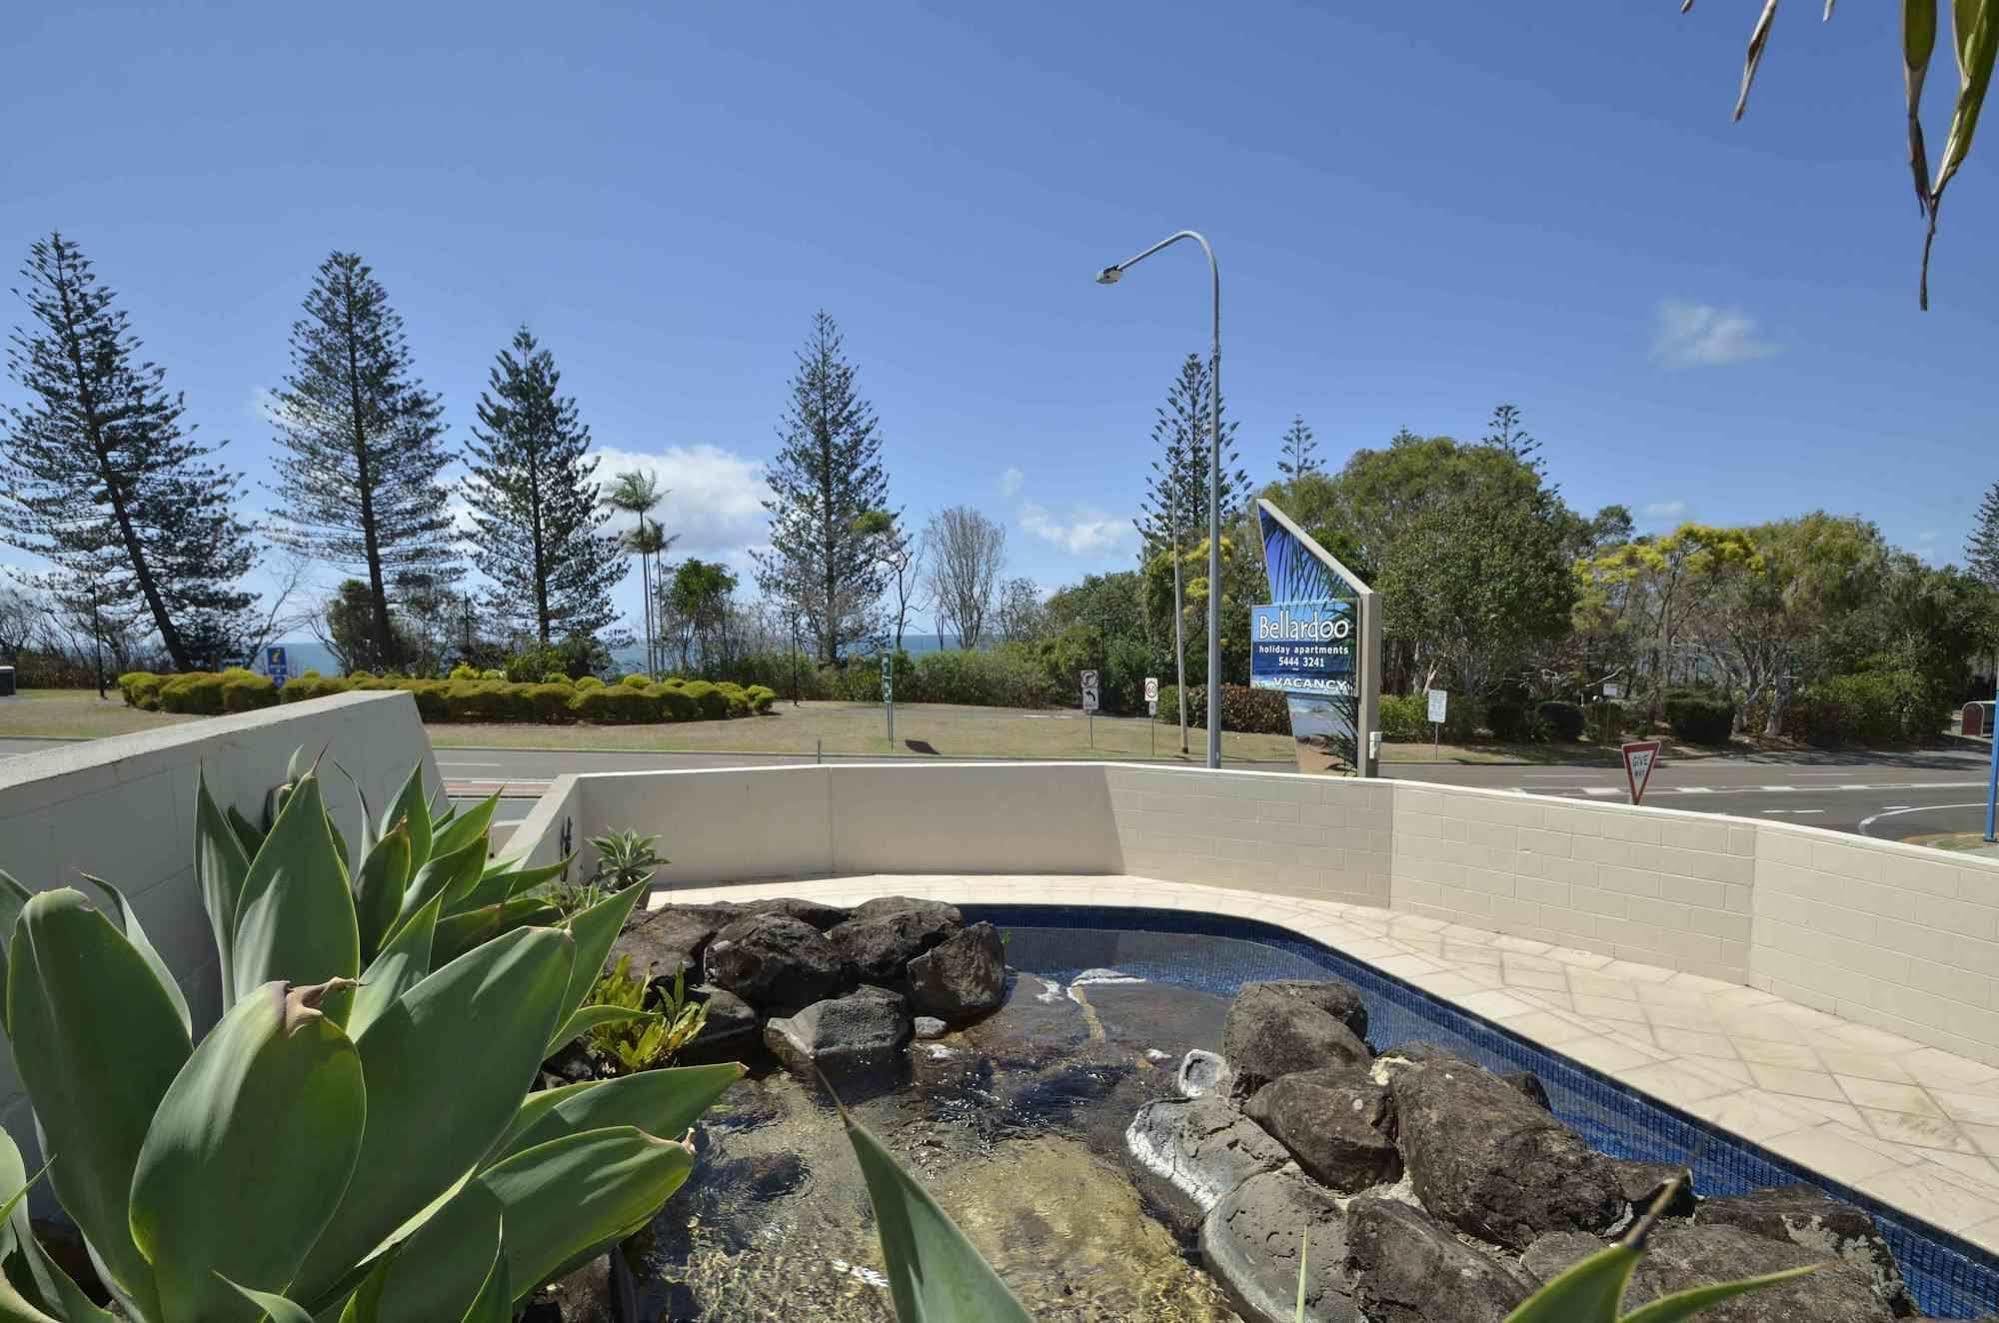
x,y
1017,1126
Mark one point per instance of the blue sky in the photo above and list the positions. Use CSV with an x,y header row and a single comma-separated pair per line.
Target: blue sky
x,y
1419,212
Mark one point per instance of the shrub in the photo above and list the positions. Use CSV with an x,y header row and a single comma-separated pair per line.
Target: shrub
x,y
712,702
1698,716
309,673
313,686
1509,721
548,702
493,674
1608,719
1872,708
1405,718
556,677
590,682
243,691
196,692
671,703
1564,721
1244,710
141,689
463,672
635,681
1008,676
612,705
739,702
761,697
486,700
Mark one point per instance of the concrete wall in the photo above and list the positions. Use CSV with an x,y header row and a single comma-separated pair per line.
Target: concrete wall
x,y
123,809
1886,934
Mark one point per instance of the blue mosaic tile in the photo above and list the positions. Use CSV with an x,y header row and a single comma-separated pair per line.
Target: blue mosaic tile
x,y
1949,1277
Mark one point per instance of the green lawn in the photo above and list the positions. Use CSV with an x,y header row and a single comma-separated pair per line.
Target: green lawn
x,y
75,714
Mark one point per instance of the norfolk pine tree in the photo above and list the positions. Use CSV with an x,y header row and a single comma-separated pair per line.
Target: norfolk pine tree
x,y
358,480
828,475
1300,453
1981,549
105,483
535,502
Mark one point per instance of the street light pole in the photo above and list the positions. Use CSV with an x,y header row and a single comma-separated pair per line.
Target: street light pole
x,y
1110,276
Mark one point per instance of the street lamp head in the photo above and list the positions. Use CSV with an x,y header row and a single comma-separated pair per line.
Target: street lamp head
x,y
1110,275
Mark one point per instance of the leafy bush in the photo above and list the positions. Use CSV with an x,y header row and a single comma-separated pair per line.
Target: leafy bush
x,y
1563,721
493,674
636,681
712,702
196,692
314,686
1405,718
463,672
624,859
557,677
643,1039
761,697
141,689
1510,721
1608,719
671,703
487,700
612,705
739,701
1244,710
549,702
1873,708
1698,716
590,682
1007,676
246,691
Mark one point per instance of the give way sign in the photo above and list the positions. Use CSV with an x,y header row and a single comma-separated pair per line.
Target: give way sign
x,y
1639,756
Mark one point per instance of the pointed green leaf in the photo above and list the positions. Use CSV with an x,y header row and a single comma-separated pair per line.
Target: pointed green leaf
x,y
465,1043
410,808
122,914
97,1042
575,1197
1685,1304
469,827
1919,42
40,1283
498,884
221,863
296,921
933,1272
461,932
496,1298
595,930
441,1271
16,1308
659,1102
1976,25
248,1152
13,896
1759,37
1588,1291
441,876
594,1017
266,1304
402,965
379,886
248,833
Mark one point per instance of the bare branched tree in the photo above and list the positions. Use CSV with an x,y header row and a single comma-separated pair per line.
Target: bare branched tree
x,y
967,551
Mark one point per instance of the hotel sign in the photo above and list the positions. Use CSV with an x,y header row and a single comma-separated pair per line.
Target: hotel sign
x,y
1303,648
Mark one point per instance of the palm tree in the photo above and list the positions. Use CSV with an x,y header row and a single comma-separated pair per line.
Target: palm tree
x,y
638,493
649,542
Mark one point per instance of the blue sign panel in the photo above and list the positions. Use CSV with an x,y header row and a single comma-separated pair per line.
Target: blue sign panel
x,y
1303,648
276,665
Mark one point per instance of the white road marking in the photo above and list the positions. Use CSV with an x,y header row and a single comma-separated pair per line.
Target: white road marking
x,y
1602,790
442,763
1865,823
1690,790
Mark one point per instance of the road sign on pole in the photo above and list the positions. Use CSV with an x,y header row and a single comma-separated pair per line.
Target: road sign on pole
x,y
1152,709
1439,704
1090,703
1639,757
888,695
277,664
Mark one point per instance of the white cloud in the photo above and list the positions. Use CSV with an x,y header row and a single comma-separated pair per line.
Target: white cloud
x,y
1705,335
714,497
1011,482
1083,532
1665,511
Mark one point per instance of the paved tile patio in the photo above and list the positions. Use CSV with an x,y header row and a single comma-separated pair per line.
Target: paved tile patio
x,y
1914,1126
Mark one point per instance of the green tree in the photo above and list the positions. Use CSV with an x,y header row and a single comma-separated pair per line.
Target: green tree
x,y
827,475
535,502
638,493
697,599
1981,549
1300,453
106,484
363,444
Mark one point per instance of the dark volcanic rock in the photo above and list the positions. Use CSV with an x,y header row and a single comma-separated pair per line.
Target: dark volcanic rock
x,y
1340,1000
1680,1255
1202,1073
1203,1147
819,915
670,941
1819,1223
1642,1183
879,948
867,1027
1529,1086
1335,1123
1250,1243
1493,1164
880,905
773,960
1407,1267
1274,1029
1037,1024
729,1033
962,977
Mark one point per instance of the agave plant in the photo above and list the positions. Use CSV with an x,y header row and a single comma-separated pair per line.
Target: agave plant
x,y
355,1139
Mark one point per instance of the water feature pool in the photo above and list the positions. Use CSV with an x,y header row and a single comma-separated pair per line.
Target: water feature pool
x,y
1017,1125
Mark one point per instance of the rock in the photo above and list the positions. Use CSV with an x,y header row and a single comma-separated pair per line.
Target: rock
x,y
1274,1029
1422,1052
1203,1147
1643,1181
879,948
962,977
572,1063
929,1026
1529,1086
729,1033
1335,1123
813,912
867,1027
1250,1242
1493,1164
774,960
1407,1267
1202,1073
1039,1024
670,941
1680,1255
881,905
1817,1222
1340,1000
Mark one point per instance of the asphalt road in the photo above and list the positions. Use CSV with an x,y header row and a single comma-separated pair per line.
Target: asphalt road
x,y
1892,796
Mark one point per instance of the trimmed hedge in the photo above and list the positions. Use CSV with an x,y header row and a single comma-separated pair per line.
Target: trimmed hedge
x,y
1244,710
1405,718
1564,721
1869,708
141,690
1699,717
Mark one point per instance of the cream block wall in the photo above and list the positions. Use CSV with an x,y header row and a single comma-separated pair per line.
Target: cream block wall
x,y
123,809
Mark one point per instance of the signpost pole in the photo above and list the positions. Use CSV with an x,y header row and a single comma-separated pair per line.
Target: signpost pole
x,y
888,695
1992,787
